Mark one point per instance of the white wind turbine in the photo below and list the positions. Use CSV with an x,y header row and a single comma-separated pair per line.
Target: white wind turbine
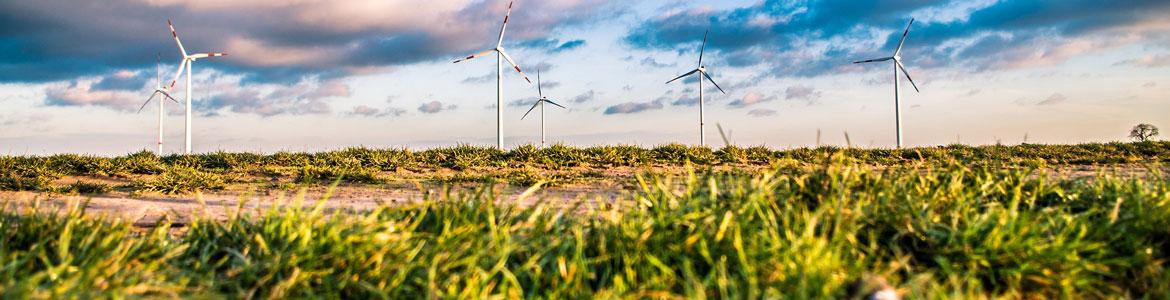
x,y
540,102
188,60
702,70
897,58
159,90
500,55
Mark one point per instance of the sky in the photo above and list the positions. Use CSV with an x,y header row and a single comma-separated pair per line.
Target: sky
x,y
315,75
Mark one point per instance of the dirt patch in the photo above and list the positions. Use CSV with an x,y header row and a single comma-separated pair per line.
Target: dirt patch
x,y
149,209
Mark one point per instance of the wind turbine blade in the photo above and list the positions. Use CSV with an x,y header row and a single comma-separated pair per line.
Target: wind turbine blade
x,y
474,56
514,66
147,101
873,60
554,103
683,75
712,82
206,55
530,109
908,77
176,35
157,72
503,27
903,40
168,95
178,73
539,92
703,48
726,141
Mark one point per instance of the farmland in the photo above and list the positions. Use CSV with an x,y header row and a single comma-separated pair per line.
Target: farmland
x,y
1089,220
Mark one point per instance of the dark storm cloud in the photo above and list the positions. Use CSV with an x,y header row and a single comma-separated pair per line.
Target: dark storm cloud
x,y
777,33
269,41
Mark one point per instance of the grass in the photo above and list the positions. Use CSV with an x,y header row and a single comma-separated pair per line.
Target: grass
x,y
524,165
933,231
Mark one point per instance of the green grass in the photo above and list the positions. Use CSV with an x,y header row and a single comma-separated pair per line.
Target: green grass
x,y
522,165
945,231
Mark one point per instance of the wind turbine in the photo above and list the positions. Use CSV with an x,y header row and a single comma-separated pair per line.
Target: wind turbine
x,y
500,56
540,102
188,60
159,90
702,70
897,58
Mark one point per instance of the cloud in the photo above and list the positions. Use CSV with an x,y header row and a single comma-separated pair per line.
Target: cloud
x,y
802,92
569,45
82,93
435,107
33,119
54,40
1052,100
752,98
215,91
489,77
585,97
551,45
1148,61
125,80
550,84
762,112
1150,84
685,101
307,96
367,111
813,38
651,62
633,107
525,102
362,110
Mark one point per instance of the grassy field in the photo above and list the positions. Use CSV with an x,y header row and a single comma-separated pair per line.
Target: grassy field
x,y
811,223
950,231
145,172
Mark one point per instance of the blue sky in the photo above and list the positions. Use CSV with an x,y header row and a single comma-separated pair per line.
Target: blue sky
x,y
317,75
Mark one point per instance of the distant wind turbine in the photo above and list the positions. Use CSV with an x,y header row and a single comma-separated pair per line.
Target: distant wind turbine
x,y
540,102
702,70
159,90
500,56
897,58
188,60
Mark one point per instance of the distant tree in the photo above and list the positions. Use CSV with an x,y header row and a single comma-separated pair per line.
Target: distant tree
x,y
1143,132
